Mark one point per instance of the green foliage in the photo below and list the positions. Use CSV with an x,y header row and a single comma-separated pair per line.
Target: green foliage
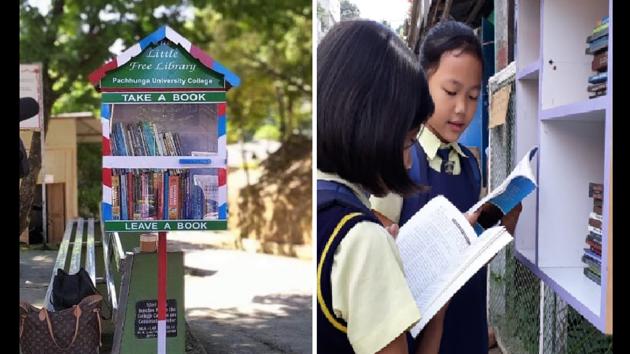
x,y
270,48
89,178
267,132
583,337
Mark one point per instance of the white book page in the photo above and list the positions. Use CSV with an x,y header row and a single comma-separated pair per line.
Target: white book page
x,y
432,299
440,251
436,236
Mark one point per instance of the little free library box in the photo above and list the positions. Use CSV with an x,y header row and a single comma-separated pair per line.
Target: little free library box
x,y
164,135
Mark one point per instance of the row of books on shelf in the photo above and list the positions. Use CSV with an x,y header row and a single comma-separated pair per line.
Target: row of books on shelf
x,y
163,195
143,139
598,47
592,257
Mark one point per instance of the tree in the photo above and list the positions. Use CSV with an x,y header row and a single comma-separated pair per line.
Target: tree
x,y
270,49
349,10
71,40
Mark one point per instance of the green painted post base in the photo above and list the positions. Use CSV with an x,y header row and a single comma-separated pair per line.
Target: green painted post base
x,y
143,286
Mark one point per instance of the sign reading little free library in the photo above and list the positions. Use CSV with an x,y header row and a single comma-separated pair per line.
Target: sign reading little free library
x,y
165,65
163,225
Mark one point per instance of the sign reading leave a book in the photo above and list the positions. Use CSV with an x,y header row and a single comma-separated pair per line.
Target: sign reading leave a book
x,y
163,225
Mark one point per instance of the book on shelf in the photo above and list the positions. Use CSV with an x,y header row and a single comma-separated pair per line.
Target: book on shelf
x,y
597,87
173,197
592,256
143,139
440,252
163,195
597,34
600,61
597,45
595,223
591,262
592,276
516,186
594,189
598,78
115,198
595,247
594,237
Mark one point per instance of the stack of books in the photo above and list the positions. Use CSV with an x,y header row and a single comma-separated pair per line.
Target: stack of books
x,y
593,253
598,48
143,139
142,194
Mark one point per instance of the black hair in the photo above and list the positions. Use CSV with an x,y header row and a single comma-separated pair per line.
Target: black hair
x,y
371,91
446,36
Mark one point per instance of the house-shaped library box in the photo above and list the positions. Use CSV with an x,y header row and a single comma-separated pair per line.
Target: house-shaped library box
x,y
164,136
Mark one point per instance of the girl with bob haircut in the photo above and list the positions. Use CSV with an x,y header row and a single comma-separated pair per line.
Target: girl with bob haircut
x,y
372,98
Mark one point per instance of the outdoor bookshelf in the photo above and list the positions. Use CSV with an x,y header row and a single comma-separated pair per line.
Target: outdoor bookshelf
x,y
163,116
164,136
574,134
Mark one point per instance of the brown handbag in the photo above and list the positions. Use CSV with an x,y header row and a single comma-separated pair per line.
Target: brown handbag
x,y
75,330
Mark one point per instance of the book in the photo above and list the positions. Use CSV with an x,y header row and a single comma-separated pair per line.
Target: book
x,y
209,185
597,94
595,188
516,186
594,230
597,45
598,78
595,238
597,87
440,251
597,34
595,247
590,262
592,276
115,198
600,61
591,254
595,223
173,197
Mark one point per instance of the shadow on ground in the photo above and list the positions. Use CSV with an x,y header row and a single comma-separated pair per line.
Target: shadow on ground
x,y
274,324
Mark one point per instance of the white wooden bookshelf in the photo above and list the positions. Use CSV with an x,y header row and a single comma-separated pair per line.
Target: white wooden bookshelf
x,y
574,135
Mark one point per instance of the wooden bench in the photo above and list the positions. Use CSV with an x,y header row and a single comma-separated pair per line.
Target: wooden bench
x,y
74,235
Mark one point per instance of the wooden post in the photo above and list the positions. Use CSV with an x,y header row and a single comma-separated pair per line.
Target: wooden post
x,y
162,293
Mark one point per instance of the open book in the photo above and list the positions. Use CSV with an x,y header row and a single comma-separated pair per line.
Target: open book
x,y
440,252
518,185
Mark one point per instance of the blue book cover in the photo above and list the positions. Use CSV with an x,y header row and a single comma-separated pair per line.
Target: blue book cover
x,y
597,78
149,138
123,197
518,185
592,255
197,203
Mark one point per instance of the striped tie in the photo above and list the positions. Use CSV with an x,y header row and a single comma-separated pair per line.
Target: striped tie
x,y
446,166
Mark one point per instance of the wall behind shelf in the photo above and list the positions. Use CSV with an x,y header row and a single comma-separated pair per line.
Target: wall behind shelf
x,y
571,156
566,25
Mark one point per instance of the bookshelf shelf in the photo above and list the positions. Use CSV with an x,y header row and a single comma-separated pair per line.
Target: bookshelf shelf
x,y
178,162
529,72
574,136
589,110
